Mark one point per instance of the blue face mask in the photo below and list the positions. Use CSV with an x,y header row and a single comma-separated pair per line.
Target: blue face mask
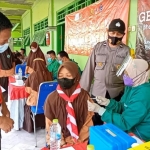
x,y
4,47
60,61
49,60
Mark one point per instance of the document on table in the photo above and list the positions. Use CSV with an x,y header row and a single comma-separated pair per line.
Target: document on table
x,y
3,90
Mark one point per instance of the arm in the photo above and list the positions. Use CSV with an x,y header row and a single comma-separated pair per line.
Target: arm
x,y
133,114
84,133
5,112
6,124
32,99
88,72
116,107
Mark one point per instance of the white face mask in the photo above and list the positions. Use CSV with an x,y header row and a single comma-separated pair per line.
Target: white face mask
x,y
3,47
33,50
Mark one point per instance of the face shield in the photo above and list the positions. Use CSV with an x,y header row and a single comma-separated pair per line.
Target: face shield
x,y
124,64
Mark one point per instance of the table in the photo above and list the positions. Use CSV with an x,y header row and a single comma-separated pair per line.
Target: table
x,y
78,146
16,101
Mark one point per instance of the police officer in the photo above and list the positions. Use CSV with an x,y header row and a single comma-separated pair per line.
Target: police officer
x,y
103,63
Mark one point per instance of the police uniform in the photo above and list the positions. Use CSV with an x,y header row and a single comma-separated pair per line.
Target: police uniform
x,y
103,64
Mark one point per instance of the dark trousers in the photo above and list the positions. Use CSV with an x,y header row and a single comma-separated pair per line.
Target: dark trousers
x,y
97,118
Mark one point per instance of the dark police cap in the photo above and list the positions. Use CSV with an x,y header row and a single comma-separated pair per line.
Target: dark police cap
x,y
117,25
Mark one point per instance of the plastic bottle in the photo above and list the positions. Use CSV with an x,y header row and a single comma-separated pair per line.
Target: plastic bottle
x,y
55,135
90,147
20,73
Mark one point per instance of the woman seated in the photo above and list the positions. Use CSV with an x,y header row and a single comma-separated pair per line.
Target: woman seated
x,y
69,94
132,113
35,52
39,75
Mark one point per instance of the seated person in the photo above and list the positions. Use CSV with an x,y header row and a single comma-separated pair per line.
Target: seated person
x,y
24,57
39,75
17,58
35,52
53,64
68,93
63,57
132,113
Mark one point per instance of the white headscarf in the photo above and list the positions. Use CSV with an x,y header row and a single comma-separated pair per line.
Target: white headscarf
x,y
137,70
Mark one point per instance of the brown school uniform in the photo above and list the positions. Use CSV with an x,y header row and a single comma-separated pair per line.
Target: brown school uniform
x,y
7,68
55,107
32,56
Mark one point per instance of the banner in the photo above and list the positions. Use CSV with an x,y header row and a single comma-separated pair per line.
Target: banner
x,y
86,27
143,30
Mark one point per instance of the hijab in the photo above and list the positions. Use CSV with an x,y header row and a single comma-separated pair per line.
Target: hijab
x,y
39,75
73,69
138,70
55,106
33,55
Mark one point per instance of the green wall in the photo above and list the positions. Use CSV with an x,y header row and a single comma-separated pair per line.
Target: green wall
x,y
132,21
16,34
52,6
33,16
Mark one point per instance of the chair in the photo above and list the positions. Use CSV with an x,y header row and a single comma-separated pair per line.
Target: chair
x,y
45,89
23,67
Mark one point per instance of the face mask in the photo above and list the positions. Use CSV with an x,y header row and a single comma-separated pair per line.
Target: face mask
x,y
33,50
114,40
65,83
127,80
3,47
49,59
60,61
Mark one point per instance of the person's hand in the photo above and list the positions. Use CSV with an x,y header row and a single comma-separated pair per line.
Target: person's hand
x,y
93,107
96,108
5,111
102,101
6,124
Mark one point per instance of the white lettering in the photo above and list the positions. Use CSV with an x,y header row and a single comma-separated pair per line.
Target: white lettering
x,y
142,16
148,16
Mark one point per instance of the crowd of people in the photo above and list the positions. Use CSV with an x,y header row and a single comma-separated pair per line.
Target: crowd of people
x,y
122,100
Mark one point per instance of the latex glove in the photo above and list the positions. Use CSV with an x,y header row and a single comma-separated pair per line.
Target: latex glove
x,y
96,108
102,101
6,124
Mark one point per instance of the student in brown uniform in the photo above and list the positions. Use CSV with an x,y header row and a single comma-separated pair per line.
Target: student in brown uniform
x,y
35,52
6,69
7,63
39,75
69,94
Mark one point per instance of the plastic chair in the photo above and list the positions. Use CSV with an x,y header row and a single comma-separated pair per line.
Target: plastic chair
x,y
45,89
23,67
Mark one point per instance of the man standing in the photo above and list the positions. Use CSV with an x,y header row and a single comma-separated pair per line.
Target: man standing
x,y
7,63
53,63
63,57
6,69
103,63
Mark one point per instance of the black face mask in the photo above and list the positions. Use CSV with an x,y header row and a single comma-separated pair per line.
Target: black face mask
x,y
114,40
65,83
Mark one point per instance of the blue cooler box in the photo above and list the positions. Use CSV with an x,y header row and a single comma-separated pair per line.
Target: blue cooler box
x,y
109,137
